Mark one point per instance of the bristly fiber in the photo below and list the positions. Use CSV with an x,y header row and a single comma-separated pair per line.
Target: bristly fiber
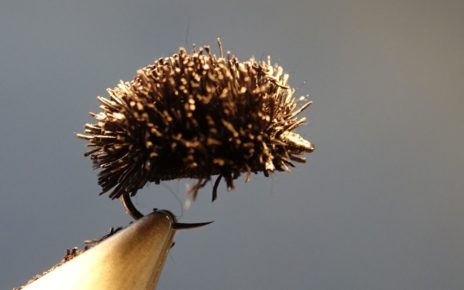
x,y
195,115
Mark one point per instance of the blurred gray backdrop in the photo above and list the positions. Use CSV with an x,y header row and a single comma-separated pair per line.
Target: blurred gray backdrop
x,y
380,205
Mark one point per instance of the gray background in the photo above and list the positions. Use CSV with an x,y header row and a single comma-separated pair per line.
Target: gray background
x,y
380,205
